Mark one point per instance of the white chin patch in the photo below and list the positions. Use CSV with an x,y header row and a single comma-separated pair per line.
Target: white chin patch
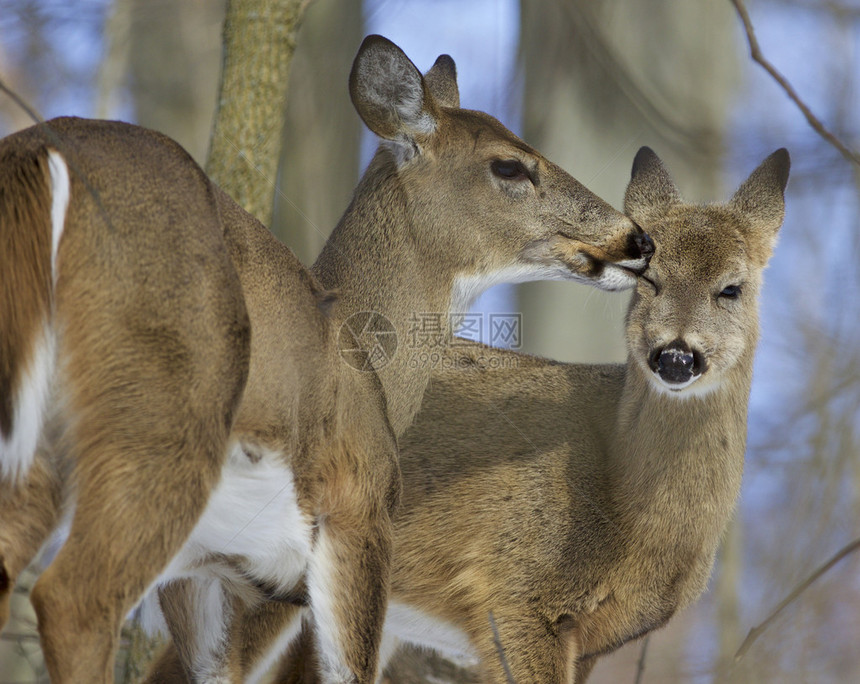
x,y
694,387
672,387
614,278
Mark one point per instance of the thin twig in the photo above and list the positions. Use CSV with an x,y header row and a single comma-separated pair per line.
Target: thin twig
x,y
18,100
18,636
814,121
640,665
55,140
756,631
501,650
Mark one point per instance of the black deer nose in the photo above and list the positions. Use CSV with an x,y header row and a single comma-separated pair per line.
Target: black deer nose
x,y
676,363
640,247
645,244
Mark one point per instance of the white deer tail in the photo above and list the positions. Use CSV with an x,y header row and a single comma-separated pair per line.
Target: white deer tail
x,y
34,198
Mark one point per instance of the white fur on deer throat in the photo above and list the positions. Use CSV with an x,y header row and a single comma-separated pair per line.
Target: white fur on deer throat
x,y
467,288
252,514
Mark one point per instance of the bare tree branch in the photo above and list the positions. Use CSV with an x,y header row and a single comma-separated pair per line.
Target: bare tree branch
x,y
640,664
55,139
757,56
756,631
18,100
501,650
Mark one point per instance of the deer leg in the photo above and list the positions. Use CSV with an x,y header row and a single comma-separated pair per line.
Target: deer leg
x,y
167,668
349,568
149,447
348,583
262,633
132,515
528,649
244,650
199,613
299,664
29,512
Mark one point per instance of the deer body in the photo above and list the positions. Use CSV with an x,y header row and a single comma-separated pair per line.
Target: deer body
x,y
193,410
569,529
582,506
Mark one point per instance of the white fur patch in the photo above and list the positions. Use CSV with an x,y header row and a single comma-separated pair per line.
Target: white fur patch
x,y
468,287
252,514
210,635
18,450
694,387
408,624
321,580
60,193
261,667
614,278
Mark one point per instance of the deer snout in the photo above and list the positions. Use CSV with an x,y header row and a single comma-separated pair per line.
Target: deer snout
x,y
676,364
639,250
644,244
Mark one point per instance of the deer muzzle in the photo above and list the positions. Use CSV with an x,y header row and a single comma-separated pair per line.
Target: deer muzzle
x,y
676,364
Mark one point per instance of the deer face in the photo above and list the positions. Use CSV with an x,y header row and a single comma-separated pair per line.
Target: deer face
x,y
489,204
694,313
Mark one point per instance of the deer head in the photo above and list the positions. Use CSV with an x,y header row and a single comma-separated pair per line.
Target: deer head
x,y
487,205
692,319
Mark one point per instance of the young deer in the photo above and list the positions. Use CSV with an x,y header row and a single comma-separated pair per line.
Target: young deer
x,y
581,505
175,376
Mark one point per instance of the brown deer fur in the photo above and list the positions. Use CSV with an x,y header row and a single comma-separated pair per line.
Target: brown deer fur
x,y
172,352
582,505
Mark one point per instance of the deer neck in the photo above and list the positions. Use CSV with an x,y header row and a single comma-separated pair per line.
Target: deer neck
x,y
676,463
381,258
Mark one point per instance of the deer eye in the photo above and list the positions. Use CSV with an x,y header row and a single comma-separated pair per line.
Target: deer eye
x,y
731,292
509,169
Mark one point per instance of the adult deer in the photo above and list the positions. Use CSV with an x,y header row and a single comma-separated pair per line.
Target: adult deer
x,y
581,506
163,349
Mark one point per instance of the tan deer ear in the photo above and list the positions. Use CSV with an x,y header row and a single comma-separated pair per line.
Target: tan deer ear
x,y
441,80
651,188
389,93
761,197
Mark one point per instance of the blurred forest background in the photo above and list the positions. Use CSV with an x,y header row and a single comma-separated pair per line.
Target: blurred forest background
x,y
587,83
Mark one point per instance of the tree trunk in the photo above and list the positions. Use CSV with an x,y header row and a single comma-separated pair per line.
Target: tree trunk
x,y
259,40
173,53
319,159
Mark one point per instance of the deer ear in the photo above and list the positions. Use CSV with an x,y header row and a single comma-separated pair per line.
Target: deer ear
x,y
761,197
441,80
651,188
389,93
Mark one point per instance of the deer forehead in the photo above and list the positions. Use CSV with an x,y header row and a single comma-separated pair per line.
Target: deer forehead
x,y
700,245
472,134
